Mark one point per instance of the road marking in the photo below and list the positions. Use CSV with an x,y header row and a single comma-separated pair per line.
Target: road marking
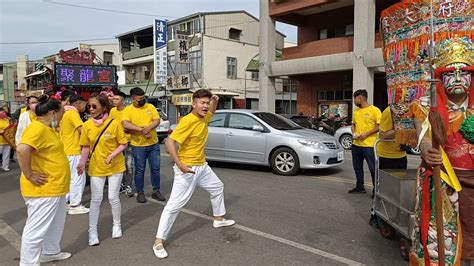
x,y
10,235
315,251
339,180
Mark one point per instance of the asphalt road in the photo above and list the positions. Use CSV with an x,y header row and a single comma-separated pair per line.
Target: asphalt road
x,y
307,219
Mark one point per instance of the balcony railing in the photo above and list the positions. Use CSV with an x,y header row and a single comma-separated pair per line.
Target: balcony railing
x,y
318,48
138,53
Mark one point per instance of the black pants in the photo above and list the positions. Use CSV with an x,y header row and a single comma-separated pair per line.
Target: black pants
x,y
359,154
389,163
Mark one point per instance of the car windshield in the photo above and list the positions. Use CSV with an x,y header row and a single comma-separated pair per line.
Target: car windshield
x,y
277,121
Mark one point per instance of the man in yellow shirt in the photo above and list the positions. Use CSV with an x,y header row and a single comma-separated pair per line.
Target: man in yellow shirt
x,y
116,113
390,153
191,168
141,120
365,125
70,132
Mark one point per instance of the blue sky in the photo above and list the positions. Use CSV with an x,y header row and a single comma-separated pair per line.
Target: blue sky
x,y
42,20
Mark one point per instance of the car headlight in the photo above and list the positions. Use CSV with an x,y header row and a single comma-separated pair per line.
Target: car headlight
x,y
313,144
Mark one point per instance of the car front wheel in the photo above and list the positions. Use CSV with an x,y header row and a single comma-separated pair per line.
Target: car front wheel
x,y
284,161
346,141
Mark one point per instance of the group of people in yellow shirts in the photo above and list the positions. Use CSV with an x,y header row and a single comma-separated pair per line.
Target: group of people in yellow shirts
x,y
54,148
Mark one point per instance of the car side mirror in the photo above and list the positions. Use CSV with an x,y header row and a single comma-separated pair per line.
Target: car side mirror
x,y
258,128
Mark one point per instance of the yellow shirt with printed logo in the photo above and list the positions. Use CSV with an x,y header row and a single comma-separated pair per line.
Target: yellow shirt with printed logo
x,y
4,123
47,158
112,137
142,117
366,119
191,134
69,132
388,149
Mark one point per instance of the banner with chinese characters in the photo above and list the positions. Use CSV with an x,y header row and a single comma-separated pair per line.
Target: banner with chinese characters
x,y
84,75
160,51
182,48
182,99
179,82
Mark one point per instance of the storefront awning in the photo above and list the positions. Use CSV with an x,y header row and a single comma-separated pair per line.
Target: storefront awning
x,y
36,73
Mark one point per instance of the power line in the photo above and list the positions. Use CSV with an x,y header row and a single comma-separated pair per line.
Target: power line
x,y
105,10
61,41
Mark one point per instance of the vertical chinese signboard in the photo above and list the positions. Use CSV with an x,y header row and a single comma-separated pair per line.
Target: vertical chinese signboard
x,y
160,51
182,48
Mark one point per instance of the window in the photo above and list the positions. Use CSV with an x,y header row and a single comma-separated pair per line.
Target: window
x,y
108,57
289,85
218,120
241,121
196,62
323,34
348,95
255,75
349,29
341,31
339,95
322,96
231,67
234,34
330,95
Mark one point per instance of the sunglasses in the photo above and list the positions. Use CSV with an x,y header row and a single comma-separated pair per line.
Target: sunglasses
x,y
92,106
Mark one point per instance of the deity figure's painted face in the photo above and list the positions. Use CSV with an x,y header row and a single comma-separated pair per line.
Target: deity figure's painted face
x,y
458,81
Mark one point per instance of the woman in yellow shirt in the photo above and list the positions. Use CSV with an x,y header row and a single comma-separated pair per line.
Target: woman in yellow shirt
x,y
44,183
103,138
4,146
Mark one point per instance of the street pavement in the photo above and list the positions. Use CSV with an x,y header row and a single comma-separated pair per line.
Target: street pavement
x,y
307,219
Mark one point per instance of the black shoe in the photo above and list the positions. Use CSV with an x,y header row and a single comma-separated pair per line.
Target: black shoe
x,y
357,190
158,196
141,197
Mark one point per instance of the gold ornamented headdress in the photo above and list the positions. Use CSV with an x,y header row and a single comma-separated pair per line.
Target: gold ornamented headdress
x,y
454,50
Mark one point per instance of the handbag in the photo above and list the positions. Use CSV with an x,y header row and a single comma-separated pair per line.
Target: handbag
x,y
100,135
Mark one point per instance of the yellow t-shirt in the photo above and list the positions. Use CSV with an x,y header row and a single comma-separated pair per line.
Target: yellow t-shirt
x,y
4,123
388,149
69,134
191,134
48,158
117,115
112,137
32,116
22,110
142,117
366,119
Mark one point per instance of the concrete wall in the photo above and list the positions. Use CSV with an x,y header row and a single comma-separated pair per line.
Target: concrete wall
x,y
218,26
99,50
215,53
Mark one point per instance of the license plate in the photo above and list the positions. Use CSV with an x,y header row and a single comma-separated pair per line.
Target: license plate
x,y
340,156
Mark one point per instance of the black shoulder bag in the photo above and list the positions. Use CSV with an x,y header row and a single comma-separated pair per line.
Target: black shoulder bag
x,y
100,135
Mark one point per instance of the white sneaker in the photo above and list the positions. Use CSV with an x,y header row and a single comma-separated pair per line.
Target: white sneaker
x,y
6,169
56,257
223,223
93,237
160,251
117,231
78,210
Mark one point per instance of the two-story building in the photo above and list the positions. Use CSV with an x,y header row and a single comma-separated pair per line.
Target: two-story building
x,y
338,51
222,44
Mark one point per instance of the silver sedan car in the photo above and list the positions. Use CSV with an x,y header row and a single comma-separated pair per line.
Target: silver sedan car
x,y
264,138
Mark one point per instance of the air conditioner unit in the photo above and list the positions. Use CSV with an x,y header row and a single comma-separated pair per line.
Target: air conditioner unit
x,y
132,70
144,68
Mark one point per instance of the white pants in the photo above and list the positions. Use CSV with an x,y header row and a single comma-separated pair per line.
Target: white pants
x,y
183,188
97,190
78,182
5,150
43,229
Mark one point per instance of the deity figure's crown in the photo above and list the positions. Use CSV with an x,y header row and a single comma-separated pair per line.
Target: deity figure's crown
x,y
454,50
